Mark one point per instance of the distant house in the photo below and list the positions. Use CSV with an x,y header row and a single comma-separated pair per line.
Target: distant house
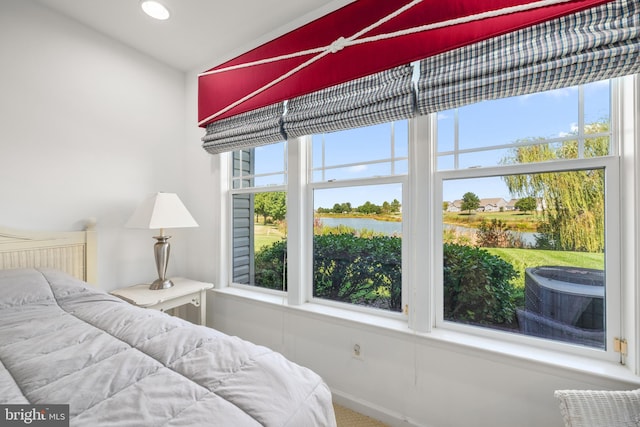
x,y
540,204
455,206
511,205
496,204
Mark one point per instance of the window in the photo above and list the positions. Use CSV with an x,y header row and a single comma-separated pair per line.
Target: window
x,y
259,216
367,152
524,244
357,183
511,208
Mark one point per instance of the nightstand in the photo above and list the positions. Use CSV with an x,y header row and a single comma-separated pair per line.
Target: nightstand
x,y
184,291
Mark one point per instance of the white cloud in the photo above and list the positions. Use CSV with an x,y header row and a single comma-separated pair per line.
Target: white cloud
x,y
357,168
561,93
556,93
573,129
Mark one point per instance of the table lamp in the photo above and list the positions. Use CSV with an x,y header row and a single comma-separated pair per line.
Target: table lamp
x,y
160,211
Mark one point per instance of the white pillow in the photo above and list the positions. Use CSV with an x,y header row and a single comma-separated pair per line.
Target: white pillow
x,y
594,408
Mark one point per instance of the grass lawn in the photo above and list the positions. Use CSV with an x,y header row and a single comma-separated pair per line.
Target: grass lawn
x,y
265,235
525,258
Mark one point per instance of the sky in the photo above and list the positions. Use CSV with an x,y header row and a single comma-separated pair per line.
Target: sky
x,y
550,114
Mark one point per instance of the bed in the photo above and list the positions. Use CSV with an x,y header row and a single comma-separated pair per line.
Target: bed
x,y
62,341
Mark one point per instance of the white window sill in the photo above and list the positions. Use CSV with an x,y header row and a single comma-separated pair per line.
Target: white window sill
x,y
569,365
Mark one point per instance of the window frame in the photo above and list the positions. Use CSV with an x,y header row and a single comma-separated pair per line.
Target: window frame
x,y
231,192
311,185
612,252
396,179
613,208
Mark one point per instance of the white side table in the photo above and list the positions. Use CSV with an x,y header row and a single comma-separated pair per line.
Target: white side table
x,y
184,291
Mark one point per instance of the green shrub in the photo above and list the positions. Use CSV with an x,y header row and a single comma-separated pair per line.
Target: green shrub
x,y
365,271
270,264
368,271
477,286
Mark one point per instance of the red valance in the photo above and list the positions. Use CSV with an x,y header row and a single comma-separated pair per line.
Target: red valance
x,y
252,87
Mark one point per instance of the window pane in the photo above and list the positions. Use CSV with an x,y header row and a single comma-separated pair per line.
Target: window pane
x,y
360,153
242,183
525,254
358,171
401,138
358,145
259,239
596,147
270,158
597,108
445,162
273,179
317,148
357,255
446,129
242,163
401,167
481,134
260,166
508,120
259,218
481,158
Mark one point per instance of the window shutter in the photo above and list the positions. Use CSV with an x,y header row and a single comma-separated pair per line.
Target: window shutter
x,y
243,244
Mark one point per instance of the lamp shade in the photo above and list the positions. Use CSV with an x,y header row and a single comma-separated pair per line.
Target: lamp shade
x,y
161,210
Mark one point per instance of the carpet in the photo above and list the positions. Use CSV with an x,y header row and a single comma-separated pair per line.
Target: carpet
x,y
345,417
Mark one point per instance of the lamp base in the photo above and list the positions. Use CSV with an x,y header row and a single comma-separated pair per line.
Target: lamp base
x,y
161,284
161,251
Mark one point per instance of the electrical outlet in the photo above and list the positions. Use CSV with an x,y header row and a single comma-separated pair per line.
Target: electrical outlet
x,y
357,352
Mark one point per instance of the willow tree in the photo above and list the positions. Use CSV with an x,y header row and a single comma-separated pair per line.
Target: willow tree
x,y
572,201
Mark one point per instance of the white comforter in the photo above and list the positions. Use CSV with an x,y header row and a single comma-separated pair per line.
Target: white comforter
x,y
62,341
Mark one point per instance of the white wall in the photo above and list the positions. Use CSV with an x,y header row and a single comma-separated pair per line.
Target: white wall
x,y
88,128
203,192
405,379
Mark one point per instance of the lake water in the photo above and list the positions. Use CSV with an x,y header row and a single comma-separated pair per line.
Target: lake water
x,y
391,228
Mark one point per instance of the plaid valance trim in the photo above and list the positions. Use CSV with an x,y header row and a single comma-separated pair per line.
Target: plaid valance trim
x,y
379,98
596,44
251,129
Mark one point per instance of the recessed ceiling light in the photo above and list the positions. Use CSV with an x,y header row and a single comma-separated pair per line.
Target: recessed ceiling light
x,y
155,9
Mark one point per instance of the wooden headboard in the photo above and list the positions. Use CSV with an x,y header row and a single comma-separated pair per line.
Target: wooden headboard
x,y
73,252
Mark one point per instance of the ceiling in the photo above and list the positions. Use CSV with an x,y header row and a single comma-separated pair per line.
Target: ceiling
x,y
200,33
